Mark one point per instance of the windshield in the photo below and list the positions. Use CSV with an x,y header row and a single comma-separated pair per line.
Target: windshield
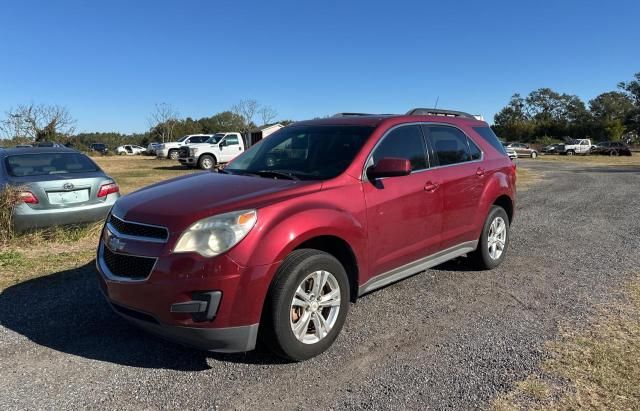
x,y
304,152
181,139
25,165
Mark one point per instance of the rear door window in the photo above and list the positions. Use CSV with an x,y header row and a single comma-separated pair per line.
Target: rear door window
x,y
403,142
449,145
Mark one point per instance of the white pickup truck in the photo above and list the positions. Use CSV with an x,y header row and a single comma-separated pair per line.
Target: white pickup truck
x,y
170,150
579,146
220,148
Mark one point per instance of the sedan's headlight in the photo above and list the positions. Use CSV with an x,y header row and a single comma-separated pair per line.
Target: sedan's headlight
x,y
215,235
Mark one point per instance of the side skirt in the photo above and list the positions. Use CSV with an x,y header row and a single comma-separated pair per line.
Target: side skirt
x,y
416,267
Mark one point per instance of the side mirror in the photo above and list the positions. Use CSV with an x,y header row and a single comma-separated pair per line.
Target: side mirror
x,y
222,144
389,167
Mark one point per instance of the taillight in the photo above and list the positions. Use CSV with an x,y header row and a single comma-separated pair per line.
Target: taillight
x,y
28,197
107,189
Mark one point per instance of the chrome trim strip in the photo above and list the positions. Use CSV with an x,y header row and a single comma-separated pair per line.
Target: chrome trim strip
x,y
104,270
138,238
415,267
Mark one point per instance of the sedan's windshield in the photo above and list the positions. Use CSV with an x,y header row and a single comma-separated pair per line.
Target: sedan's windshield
x,y
303,152
25,165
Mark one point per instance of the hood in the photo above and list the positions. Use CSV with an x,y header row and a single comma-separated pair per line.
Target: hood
x,y
180,202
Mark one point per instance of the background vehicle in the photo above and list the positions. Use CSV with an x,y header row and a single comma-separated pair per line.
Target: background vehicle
x,y
99,148
553,149
130,150
151,149
59,186
612,148
511,153
219,149
170,150
523,150
579,146
291,231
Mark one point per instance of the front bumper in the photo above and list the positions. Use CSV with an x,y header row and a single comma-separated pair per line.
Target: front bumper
x,y
26,218
177,280
228,339
188,161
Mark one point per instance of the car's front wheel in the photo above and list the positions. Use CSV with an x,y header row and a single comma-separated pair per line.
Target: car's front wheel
x,y
206,162
307,305
493,241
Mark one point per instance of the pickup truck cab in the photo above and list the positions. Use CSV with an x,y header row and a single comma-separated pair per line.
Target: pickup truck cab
x,y
579,146
279,243
170,150
218,149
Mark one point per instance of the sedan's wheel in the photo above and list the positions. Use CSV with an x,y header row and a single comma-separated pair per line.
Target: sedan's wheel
x,y
206,162
614,153
534,154
306,306
494,240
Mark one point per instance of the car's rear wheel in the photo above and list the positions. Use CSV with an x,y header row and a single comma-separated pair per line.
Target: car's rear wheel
x,y
570,152
122,153
614,153
206,162
534,154
307,305
173,154
493,241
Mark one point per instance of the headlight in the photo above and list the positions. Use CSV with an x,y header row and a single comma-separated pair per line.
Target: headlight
x,y
215,235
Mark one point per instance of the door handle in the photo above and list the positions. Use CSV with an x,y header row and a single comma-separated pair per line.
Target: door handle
x,y
431,187
480,172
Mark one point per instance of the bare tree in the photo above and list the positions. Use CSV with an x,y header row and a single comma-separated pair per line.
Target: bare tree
x,y
38,122
268,114
247,110
164,119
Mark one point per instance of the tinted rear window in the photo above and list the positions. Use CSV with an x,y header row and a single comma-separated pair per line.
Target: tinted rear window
x,y
490,137
40,164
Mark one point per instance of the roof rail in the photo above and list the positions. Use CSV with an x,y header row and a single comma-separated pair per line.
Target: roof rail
x,y
438,112
352,114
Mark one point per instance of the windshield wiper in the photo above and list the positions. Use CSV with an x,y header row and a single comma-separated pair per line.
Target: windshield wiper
x,y
276,173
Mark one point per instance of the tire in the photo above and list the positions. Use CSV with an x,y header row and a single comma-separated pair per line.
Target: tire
x,y
122,154
614,153
534,155
483,258
299,271
207,162
570,152
173,154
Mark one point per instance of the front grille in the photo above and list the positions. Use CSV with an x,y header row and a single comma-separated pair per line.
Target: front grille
x,y
127,266
184,152
138,230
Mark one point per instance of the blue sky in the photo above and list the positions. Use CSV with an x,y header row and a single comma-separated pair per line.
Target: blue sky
x,y
109,62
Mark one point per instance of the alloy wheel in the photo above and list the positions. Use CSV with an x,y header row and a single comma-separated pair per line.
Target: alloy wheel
x,y
497,238
315,307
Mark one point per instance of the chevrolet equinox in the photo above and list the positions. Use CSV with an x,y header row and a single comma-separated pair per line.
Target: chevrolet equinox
x,y
280,242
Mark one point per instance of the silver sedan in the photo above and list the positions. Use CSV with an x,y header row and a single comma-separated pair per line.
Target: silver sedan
x,y
57,186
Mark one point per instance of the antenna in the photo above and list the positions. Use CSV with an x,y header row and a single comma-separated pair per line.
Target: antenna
x,y
437,99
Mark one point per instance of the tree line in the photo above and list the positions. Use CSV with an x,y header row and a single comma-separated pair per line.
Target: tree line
x,y
31,123
545,115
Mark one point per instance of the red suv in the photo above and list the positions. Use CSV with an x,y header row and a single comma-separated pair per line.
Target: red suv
x,y
280,242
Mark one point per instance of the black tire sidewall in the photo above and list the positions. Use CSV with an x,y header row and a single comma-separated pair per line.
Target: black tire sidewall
x,y
487,261
287,280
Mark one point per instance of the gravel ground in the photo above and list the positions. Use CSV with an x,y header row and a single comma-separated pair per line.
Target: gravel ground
x,y
447,338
